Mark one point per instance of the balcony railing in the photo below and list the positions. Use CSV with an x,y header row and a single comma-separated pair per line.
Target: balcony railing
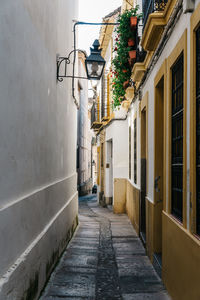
x,y
150,6
95,122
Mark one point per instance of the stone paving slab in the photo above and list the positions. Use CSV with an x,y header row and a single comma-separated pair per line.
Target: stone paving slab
x,y
105,261
75,285
133,247
78,260
147,296
87,244
67,297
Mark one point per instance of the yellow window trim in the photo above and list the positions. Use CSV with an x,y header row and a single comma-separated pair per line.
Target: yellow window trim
x,y
194,23
161,73
180,47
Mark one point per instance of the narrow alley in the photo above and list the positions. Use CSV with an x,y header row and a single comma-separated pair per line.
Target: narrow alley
x,y
104,260
100,150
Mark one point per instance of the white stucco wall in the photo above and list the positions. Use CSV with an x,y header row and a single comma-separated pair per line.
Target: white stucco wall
x,y
118,133
38,198
182,24
85,133
132,114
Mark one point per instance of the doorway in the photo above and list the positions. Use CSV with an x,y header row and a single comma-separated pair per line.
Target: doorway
x,y
109,173
143,177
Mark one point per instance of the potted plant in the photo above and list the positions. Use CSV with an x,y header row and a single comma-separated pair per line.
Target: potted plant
x,y
132,54
125,84
131,42
124,54
133,22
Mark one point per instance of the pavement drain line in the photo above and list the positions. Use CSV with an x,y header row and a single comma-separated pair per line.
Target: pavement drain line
x,y
107,278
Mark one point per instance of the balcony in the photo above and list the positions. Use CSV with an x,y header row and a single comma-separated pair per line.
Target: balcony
x,y
95,120
151,7
156,16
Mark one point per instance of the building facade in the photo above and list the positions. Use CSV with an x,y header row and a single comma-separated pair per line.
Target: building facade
x,y
38,186
85,135
157,183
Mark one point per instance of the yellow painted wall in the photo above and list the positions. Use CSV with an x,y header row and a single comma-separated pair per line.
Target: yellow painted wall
x,y
119,205
153,228
132,205
149,228
126,200
98,164
181,261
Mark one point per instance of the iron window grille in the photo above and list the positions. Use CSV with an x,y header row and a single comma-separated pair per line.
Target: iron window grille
x,y
102,149
198,131
135,151
151,6
177,139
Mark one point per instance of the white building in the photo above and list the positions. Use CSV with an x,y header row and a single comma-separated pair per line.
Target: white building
x,y
38,194
85,134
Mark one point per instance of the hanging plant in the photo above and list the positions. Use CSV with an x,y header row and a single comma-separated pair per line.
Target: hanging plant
x,y
123,60
133,22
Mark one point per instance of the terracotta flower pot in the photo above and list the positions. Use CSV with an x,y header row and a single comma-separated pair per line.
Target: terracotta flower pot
x,y
133,22
131,61
131,42
124,71
125,84
132,54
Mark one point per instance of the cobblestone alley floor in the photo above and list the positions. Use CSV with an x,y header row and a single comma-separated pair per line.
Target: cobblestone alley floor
x,y
104,261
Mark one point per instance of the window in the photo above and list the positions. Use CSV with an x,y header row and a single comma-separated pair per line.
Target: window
x,y
129,152
102,154
198,130
177,139
135,151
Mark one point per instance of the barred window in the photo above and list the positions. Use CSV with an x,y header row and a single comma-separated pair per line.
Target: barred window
x,y
198,130
177,139
102,149
135,151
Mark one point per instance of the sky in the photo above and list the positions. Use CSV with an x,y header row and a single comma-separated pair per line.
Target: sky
x,y
93,11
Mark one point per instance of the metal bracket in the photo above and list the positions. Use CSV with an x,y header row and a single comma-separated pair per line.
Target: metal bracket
x,y
66,61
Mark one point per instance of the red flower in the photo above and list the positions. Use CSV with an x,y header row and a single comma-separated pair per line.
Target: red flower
x,y
115,49
116,39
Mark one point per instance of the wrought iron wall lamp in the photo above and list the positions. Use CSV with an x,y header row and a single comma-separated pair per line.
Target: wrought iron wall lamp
x,y
94,67
94,64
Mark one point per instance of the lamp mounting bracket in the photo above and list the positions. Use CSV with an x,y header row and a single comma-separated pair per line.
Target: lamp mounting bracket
x,y
66,61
